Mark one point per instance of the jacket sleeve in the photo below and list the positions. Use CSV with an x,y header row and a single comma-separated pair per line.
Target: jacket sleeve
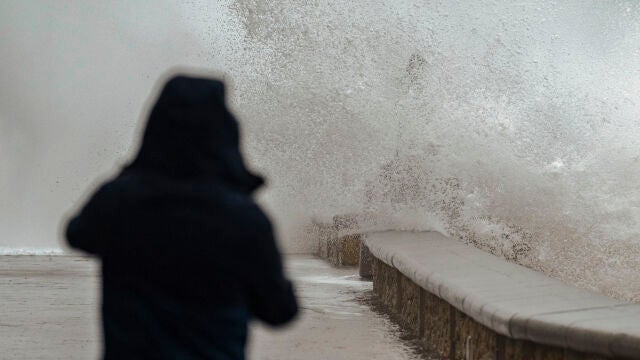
x,y
271,296
84,230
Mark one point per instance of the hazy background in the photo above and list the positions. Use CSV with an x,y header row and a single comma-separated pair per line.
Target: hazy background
x,y
513,127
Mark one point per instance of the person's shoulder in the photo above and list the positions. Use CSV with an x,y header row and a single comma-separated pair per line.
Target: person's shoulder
x,y
122,190
118,186
243,209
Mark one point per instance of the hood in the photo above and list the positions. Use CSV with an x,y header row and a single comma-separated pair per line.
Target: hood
x,y
191,134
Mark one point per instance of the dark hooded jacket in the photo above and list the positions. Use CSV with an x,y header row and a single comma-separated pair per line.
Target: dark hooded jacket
x,y
187,256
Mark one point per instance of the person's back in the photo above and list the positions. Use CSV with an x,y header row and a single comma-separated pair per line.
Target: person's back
x,y
187,256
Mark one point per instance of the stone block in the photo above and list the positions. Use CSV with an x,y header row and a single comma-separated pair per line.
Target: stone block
x,y
473,340
409,305
365,263
385,284
375,275
437,315
333,244
572,355
526,350
349,250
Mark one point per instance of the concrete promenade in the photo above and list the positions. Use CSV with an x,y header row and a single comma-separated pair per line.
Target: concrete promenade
x,y
48,310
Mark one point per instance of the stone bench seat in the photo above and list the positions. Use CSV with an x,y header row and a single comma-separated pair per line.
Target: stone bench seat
x,y
511,300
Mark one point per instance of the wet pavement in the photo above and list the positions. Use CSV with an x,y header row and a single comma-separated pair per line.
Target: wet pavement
x,y
48,310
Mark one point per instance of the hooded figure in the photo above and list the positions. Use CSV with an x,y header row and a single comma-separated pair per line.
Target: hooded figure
x,y
188,258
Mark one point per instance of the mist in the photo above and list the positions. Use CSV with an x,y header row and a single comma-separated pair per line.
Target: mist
x,y
512,127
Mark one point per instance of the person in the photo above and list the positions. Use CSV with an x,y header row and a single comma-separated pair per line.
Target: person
x,y
188,258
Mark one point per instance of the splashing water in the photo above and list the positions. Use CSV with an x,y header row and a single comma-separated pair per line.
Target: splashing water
x,y
511,126
514,124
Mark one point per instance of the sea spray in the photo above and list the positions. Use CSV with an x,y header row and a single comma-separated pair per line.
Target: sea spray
x,y
509,126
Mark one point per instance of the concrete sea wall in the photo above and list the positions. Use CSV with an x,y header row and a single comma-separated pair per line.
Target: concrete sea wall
x,y
463,304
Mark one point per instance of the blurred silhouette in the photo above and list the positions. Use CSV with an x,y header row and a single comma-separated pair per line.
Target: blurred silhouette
x,y
188,258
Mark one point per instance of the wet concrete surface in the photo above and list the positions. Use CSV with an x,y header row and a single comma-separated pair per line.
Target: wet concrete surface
x,y
48,310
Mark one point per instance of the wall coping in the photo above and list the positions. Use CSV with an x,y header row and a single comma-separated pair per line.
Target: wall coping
x,y
510,299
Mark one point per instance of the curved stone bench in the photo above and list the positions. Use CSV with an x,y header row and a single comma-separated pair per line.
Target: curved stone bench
x,y
468,304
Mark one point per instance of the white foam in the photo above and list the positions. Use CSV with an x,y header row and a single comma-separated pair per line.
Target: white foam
x,y
29,251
